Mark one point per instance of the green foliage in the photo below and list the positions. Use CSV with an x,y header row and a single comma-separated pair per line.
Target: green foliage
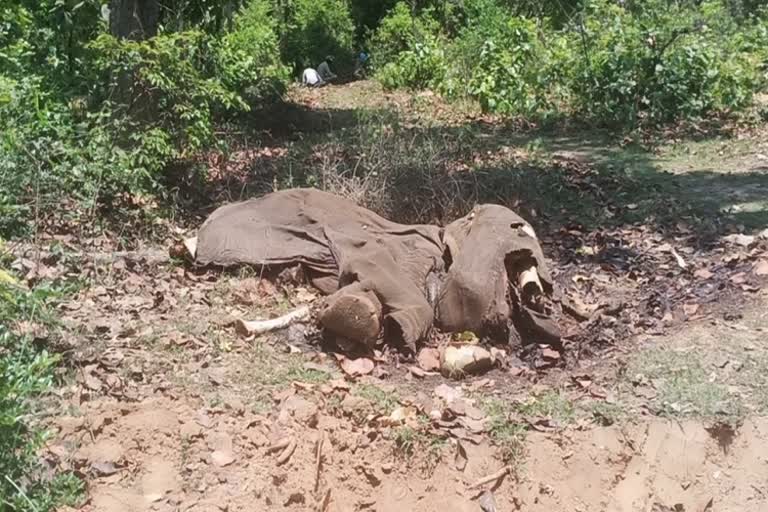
x,y
509,77
422,67
659,63
26,372
248,58
401,31
313,29
614,63
168,85
407,49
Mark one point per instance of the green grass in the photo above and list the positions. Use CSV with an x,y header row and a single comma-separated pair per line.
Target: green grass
x,y
383,401
606,414
550,404
684,385
508,436
27,374
409,440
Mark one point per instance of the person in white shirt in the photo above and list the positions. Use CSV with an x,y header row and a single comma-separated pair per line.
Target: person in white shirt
x,y
324,69
311,78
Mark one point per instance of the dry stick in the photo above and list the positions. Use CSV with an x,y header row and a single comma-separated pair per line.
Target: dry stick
x,y
491,478
255,327
280,445
325,502
286,455
318,460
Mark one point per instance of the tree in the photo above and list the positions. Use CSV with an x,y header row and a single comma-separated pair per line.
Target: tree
x,y
134,19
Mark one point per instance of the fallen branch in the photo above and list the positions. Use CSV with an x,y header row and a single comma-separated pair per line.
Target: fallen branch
x,y
492,478
679,259
318,461
325,502
256,327
286,455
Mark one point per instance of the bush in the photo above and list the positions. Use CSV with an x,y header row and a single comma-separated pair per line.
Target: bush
x,y
422,67
510,76
659,63
400,31
407,50
248,58
169,85
313,29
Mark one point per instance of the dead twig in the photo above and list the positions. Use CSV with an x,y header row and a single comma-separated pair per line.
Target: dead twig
x,y
286,455
318,460
492,478
679,259
256,327
323,504
280,445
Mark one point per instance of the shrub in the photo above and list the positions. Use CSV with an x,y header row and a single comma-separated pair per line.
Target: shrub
x,y
659,63
168,85
313,29
248,58
510,76
407,50
400,31
422,67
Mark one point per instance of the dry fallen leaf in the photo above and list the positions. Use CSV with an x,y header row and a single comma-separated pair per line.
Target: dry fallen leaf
x,y
429,359
549,353
355,367
761,268
460,458
690,309
703,273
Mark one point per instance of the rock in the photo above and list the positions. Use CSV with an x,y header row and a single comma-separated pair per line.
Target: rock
x,y
387,468
223,454
761,268
302,410
763,234
457,361
429,359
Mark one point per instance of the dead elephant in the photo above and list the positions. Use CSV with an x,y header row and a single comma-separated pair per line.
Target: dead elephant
x,y
483,273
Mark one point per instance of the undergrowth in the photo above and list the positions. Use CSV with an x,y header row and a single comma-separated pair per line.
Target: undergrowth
x,y
26,373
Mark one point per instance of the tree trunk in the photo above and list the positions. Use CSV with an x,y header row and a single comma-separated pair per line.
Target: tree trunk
x,y
134,19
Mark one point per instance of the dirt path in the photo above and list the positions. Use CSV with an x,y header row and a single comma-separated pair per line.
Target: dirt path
x,y
659,407
169,410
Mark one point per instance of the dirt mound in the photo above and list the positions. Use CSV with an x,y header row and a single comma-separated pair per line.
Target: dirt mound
x,y
177,454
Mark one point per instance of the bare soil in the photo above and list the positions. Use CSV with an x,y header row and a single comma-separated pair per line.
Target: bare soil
x,y
657,404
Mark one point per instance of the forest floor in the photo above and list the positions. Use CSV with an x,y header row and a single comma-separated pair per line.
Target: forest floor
x,y
658,403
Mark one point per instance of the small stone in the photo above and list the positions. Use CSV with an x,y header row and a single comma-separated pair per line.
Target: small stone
x,y
387,468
